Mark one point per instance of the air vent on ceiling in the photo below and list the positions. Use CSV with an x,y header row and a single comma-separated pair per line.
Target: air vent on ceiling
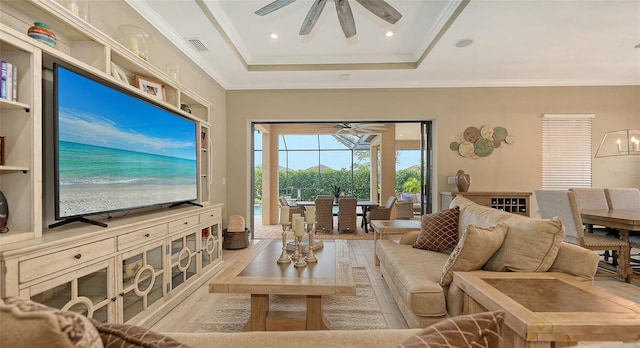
x,y
198,45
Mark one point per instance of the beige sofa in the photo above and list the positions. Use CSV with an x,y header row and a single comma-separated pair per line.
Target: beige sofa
x,y
530,245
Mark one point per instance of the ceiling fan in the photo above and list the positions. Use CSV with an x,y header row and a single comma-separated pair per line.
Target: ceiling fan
x,y
358,128
378,7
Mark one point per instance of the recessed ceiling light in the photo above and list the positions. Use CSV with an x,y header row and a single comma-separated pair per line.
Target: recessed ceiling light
x,y
464,43
345,77
389,34
273,35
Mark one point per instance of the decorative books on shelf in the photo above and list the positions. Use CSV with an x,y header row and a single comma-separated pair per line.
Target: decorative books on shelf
x,y
9,81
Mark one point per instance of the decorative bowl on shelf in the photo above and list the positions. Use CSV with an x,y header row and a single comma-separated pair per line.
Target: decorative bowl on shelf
x,y
43,33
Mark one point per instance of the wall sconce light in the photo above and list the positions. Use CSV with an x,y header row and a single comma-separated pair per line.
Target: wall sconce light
x,y
624,142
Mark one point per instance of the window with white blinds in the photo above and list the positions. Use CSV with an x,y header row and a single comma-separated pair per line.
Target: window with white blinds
x,y
566,151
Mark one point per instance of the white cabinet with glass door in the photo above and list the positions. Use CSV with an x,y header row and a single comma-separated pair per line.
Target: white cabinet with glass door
x,y
88,291
141,285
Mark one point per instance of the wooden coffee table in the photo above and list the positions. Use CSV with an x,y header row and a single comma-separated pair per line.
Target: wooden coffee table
x,y
262,276
384,228
549,309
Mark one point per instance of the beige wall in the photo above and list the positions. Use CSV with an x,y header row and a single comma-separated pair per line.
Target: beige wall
x,y
515,167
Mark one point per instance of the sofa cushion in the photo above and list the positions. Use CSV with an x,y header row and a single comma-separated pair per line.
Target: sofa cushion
x,y
130,336
25,323
415,275
475,248
531,245
439,231
474,330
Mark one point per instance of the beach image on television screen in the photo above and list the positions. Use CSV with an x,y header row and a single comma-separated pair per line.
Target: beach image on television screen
x,y
116,151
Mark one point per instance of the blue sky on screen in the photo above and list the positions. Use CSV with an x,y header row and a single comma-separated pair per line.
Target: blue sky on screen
x,y
94,114
332,159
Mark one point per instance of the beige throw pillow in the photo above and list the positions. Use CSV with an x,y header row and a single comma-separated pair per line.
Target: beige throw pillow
x,y
439,231
25,323
531,244
481,330
475,248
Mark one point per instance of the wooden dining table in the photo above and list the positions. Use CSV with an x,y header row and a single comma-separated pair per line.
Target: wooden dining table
x,y
364,204
625,221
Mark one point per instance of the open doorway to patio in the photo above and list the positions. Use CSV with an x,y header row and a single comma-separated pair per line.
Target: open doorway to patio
x,y
369,160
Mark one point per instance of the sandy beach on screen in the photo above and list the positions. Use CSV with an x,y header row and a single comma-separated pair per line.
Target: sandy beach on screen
x,y
79,199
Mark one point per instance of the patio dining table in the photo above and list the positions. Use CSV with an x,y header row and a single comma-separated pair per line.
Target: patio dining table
x,y
364,204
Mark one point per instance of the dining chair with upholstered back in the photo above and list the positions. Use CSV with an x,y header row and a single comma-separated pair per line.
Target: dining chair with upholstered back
x,y
623,198
324,214
562,204
347,214
590,198
595,199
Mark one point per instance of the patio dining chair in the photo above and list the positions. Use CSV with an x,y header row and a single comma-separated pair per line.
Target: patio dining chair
x,y
382,213
347,214
293,209
562,204
324,214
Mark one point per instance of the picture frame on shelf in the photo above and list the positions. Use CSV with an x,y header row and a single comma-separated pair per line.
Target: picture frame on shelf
x,y
153,88
119,74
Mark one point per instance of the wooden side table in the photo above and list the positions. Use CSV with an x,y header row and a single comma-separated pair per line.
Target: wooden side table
x,y
548,309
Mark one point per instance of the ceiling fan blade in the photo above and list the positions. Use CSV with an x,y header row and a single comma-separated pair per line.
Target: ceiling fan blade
x,y
381,9
312,16
276,5
345,16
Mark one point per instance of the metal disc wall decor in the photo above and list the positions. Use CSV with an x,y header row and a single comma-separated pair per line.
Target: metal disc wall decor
x,y
480,142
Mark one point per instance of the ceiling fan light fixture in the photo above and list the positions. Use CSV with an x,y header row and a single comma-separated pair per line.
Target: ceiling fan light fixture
x,y
464,43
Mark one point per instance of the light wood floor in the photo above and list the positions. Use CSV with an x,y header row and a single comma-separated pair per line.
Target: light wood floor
x,y
187,316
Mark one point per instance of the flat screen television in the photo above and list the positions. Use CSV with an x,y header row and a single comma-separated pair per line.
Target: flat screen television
x,y
114,151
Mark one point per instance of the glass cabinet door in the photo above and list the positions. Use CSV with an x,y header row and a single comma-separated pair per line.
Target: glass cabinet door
x,y
183,252
87,291
141,285
209,245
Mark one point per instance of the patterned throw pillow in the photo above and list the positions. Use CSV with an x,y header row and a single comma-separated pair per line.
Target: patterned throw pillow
x,y
439,231
475,248
131,336
481,330
25,323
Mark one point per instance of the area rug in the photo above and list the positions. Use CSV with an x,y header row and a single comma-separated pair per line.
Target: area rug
x,y
360,312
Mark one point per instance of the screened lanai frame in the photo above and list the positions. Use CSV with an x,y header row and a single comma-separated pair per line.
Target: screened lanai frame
x,y
351,144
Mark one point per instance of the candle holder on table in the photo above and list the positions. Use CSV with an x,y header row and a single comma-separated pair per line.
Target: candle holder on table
x,y
284,257
311,256
300,261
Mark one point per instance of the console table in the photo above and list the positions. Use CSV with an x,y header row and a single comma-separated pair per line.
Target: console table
x,y
513,202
